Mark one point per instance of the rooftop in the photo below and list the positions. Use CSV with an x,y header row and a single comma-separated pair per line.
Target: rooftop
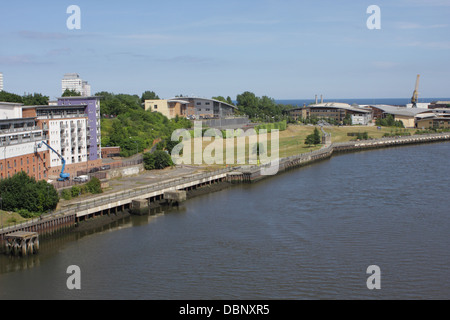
x,y
339,105
11,103
79,97
185,100
441,102
400,111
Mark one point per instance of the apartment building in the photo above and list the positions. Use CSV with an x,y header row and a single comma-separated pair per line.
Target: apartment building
x,y
72,81
71,128
93,122
18,139
67,132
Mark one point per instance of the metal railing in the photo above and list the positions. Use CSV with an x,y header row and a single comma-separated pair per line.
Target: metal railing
x,y
159,186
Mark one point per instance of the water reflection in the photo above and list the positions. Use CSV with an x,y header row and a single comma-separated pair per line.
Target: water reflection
x,y
52,245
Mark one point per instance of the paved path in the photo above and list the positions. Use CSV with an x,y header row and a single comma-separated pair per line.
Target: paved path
x,y
145,178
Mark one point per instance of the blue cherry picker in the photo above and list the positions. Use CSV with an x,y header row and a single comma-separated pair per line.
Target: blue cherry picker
x,y
62,176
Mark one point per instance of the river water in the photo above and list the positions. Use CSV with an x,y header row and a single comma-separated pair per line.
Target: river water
x,y
310,233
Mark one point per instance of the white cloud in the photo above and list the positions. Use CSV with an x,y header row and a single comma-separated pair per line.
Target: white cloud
x,y
411,25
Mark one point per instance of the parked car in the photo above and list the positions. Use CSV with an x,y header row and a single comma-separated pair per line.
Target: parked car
x,y
107,167
94,170
81,178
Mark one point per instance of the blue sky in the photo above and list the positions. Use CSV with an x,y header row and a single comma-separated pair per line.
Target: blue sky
x,y
282,49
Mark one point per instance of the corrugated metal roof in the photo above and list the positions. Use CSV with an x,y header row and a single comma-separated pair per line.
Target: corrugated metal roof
x,y
400,111
339,105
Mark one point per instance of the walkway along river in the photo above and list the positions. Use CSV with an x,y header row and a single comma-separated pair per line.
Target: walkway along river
x,y
67,217
306,234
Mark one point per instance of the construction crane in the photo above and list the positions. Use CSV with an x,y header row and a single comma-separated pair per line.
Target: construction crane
x,y
62,176
415,96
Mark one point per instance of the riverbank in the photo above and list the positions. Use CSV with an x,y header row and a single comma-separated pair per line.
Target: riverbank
x,y
98,222
205,183
253,174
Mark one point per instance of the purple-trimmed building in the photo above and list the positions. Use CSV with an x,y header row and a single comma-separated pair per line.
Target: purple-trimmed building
x,y
93,111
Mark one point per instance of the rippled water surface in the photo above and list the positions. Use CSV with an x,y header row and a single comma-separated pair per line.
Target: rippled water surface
x,y
309,233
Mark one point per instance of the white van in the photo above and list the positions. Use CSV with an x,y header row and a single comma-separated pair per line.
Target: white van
x,y
81,178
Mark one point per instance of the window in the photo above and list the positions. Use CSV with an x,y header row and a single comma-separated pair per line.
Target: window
x,y
207,103
155,107
199,103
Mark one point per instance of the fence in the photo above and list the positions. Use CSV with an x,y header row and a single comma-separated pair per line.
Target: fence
x,y
105,167
70,183
124,195
307,157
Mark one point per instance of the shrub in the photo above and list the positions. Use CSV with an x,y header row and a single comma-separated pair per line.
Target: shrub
x,y
157,160
94,186
75,191
66,194
24,192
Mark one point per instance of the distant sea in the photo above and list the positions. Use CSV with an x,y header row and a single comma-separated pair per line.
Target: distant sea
x,y
388,101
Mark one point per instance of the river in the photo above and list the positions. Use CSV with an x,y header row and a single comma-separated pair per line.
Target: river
x,y
309,233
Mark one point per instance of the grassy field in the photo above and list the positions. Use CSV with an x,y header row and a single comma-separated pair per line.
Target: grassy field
x,y
291,142
10,218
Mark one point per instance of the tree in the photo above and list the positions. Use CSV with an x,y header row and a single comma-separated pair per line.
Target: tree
x,y
149,95
35,99
258,149
170,144
29,99
263,109
309,140
40,196
314,138
220,98
348,120
157,160
94,186
71,93
10,97
317,136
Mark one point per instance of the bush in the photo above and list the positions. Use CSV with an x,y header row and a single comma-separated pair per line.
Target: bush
x,y
94,186
24,213
157,160
66,194
281,126
75,191
362,136
23,193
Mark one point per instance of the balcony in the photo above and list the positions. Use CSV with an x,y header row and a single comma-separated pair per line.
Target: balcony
x,y
18,130
7,141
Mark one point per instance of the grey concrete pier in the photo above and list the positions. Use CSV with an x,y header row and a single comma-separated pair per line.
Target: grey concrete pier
x,y
22,243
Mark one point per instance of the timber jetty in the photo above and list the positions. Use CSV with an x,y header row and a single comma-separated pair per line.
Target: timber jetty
x,y
175,189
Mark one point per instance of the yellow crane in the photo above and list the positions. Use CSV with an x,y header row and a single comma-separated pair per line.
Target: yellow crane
x,y
415,96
